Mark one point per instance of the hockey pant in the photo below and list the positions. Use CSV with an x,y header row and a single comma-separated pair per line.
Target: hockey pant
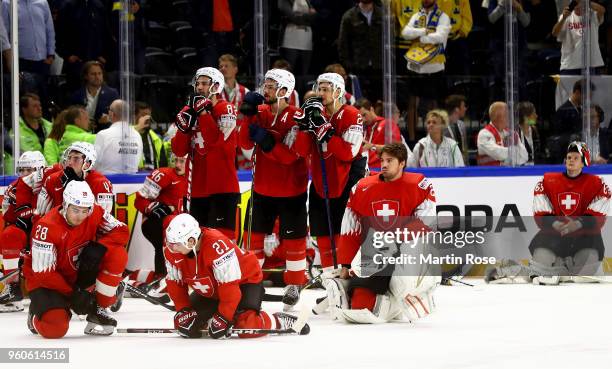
x,y
13,241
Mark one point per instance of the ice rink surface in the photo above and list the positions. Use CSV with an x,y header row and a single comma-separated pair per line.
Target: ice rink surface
x,y
486,326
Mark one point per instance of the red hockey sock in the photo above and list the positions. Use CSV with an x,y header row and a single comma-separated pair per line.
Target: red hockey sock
x,y
12,241
295,261
53,323
363,298
256,246
111,273
252,319
324,244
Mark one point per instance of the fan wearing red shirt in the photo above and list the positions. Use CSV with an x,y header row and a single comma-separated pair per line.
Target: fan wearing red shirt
x,y
206,132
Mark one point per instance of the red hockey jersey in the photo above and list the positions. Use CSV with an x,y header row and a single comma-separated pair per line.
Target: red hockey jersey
x,y
383,203
56,247
280,172
221,268
8,203
557,194
375,134
339,152
52,192
162,185
214,164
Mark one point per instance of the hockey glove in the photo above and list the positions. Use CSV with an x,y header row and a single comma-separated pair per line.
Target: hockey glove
x,y
219,327
322,129
158,210
69,175
313,105
82,301
262,137
250,103
24,218
188,323
186,119
200,104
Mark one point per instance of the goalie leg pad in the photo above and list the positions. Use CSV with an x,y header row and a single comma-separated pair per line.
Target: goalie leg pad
x,y
384,310
507,272
414,294
547,274
337,296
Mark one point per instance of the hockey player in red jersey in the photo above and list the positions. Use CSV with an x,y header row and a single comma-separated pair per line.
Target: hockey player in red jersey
x,y
226,283
281,176
332,133
79,160
392,200
78,256
17,215
206,132
571,209
162,194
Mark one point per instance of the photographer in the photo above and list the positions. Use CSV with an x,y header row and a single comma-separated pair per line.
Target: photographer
x,y
154,152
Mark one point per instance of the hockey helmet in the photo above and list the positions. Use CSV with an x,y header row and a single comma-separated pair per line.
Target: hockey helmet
x,y
335,80
78,193
215,76
182,228
283,79
84,148
582,149
31,159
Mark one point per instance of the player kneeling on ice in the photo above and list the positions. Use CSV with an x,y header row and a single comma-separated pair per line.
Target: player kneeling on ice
x,y
226,282
570,208
378,202
78,256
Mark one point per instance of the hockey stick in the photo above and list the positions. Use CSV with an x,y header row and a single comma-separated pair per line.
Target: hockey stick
x,y
457,281
7,276
327,206
252,199
150,299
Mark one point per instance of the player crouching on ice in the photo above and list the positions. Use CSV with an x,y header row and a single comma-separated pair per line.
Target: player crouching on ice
x,y
226,282
570,208
382,298
77,258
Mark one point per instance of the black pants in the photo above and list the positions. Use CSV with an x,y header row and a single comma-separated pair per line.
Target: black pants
x,y
252,296
153,230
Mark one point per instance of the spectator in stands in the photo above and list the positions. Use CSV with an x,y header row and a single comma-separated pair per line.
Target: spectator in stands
x,y
456,109
338,68
568,117
233,91
119,147
296,45
221,21
139,33
33,128
569,30
494,140
5,47
496,10
70,126
95,95
154,150
83,34
294,100
360,46
600,150
36,42
437,150
375,131
325,31
528,133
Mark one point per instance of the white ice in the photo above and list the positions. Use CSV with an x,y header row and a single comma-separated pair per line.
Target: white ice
x,y
487,326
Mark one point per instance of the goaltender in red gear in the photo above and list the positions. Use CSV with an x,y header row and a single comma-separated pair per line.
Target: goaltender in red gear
x,y
226,283
77,260
382,199
207,123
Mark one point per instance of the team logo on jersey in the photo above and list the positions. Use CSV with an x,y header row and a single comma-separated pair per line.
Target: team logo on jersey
x,y
385,212
73,255
202,286
568,202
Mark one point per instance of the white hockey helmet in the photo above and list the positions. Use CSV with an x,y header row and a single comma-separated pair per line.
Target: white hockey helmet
x,y
78,193
215,76
31,159
335,80
283,79
84,148
181,229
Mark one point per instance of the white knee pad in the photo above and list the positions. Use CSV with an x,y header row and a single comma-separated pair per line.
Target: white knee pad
x,y
414,295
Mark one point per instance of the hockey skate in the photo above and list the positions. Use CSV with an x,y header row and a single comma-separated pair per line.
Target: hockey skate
x,y
11,298
286,321
291,296
100,323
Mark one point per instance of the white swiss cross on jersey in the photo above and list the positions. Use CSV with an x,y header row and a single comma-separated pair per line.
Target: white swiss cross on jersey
x,y
568,202
202,286
385,212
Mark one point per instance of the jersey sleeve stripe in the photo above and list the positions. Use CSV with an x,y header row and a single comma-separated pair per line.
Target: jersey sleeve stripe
x,y
44,256
227,267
